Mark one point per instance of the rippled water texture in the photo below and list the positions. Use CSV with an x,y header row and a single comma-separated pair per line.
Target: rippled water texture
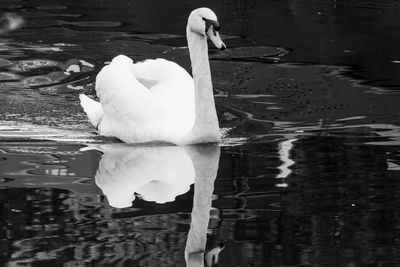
x,y
308,171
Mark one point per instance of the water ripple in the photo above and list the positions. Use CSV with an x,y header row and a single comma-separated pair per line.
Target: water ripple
x,y
94,24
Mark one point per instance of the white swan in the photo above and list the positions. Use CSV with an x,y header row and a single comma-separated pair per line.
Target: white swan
x,y
157,100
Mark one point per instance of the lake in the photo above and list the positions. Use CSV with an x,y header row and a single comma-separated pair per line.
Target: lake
x,y
307,174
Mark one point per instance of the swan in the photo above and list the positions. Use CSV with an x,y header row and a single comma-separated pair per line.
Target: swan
x,y
157,100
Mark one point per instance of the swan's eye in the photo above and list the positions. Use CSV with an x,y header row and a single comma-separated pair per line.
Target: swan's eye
x,y
210,22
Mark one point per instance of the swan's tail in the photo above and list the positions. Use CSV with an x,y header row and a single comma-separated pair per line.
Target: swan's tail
x,y
93,109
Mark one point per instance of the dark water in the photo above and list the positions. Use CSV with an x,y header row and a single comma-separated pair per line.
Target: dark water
x,y
308,173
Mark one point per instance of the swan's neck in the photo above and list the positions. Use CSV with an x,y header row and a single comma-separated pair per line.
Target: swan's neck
x,y
206,127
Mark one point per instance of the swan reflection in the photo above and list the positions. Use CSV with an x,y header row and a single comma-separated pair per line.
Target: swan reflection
x,y
157,174
160,174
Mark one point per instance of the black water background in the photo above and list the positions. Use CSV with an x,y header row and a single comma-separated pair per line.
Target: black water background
x,y
336,86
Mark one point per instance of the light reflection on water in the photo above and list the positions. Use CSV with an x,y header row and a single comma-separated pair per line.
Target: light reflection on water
x,y
307,173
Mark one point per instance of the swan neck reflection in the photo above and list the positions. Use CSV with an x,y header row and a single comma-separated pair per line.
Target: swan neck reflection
x,y
206,173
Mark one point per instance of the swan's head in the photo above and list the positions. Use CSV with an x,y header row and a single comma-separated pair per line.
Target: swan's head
x,y
204,22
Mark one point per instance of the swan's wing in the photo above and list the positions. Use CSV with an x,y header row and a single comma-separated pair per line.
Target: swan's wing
x,y
122,95
172,86
155,73
135,113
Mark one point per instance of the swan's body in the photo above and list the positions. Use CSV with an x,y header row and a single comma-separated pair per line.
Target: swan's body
x,y
147,101
157,100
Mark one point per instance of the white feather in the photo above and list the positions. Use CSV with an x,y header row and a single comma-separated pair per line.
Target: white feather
x,y
93,109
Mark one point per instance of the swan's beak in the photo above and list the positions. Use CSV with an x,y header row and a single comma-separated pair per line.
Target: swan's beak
x,y
215,38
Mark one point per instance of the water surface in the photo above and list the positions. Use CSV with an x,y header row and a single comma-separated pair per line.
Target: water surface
x,y
307,173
